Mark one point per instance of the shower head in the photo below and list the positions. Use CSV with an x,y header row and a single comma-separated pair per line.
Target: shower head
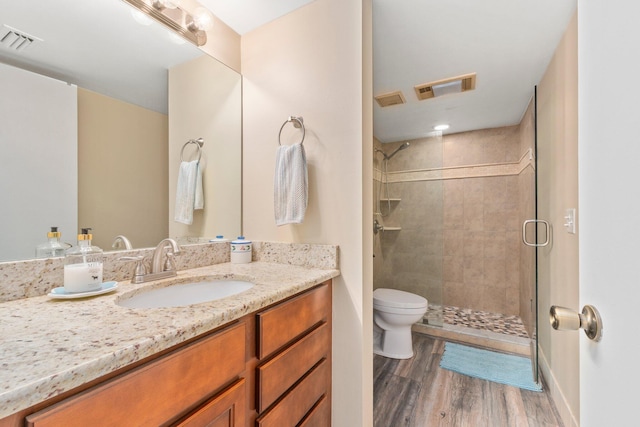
x,y
401,147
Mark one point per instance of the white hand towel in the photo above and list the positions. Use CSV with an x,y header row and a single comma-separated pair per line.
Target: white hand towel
x,y
290,187
198,203
189,194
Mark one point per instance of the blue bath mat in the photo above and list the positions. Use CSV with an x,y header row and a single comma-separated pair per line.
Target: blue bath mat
x,y
489,365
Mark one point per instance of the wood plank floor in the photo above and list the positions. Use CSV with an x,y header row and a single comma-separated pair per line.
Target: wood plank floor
x,y
418,393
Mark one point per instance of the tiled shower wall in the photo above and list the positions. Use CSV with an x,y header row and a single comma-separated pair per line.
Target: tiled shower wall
x,y
482,237
410,259
460,242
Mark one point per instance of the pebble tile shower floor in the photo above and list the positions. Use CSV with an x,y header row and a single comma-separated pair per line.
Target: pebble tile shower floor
x,y
476,319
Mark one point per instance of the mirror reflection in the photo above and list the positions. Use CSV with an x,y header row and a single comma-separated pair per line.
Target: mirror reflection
x,y
96,112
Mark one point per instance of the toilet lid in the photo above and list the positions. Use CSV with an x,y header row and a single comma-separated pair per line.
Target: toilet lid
x,y
398,299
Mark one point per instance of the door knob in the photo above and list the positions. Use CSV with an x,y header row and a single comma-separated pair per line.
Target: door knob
x,y
565,319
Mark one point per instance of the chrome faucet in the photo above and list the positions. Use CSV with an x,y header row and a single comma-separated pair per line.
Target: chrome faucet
x,y
162,264
121,240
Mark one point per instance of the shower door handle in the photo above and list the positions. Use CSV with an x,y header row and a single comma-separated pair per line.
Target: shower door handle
x,y
535,221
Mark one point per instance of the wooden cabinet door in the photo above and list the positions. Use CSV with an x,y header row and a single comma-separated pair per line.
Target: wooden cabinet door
x,y
319,415
283,323
277,375
226,409
157,393
294,406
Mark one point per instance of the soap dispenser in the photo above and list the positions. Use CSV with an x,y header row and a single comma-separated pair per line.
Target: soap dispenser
x,y
53,247
83,265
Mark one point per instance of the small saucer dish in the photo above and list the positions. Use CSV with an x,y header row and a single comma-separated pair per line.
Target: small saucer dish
x,y
60,293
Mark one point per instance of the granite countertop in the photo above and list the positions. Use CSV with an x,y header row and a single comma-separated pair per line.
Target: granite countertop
x,y
51,346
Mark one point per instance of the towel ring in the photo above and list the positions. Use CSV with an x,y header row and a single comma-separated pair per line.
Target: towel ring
x,y
298,122
199,143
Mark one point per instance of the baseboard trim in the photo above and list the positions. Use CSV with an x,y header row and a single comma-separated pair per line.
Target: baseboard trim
x,y
559,400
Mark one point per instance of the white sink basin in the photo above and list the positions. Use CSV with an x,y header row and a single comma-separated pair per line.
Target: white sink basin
x,y
180,295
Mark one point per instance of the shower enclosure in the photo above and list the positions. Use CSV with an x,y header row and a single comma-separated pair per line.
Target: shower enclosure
x,y
448,218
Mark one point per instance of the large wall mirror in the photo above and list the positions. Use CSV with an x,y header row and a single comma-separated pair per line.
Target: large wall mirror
x,y
138,94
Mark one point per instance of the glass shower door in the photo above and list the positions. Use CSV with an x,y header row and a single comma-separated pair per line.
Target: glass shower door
x,y
535,235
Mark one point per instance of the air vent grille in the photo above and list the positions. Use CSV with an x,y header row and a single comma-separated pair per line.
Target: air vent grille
x,y
388,99
466,82
13,39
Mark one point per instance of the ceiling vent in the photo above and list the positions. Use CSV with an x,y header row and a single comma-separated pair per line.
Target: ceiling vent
x,y
446,86
13,39
388,99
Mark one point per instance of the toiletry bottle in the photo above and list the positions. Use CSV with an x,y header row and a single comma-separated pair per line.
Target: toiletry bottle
x,y
241,250
219,238
53,247
83,265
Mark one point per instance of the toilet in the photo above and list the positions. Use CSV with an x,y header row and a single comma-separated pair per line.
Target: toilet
x,y
394,312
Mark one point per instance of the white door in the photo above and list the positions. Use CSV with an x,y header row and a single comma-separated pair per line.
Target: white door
x,y
609,209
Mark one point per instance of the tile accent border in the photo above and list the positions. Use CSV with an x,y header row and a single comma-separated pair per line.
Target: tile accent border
x,y
459,172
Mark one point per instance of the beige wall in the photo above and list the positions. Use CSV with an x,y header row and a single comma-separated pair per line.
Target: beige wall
x,y
205,101
558,190
315,63
122,171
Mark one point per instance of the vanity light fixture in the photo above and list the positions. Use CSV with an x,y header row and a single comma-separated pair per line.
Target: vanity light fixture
x,y
192,26
169,4
441,127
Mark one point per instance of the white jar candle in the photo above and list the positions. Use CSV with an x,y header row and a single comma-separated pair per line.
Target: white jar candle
x,y
83,277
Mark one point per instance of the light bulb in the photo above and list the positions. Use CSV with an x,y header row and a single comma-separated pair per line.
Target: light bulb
x,y
441,127
202,19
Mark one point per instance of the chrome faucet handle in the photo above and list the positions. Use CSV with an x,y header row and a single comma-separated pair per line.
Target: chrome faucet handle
x,y
170,262
139,271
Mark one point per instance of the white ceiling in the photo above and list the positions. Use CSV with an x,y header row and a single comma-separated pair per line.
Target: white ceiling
x,y
508,43
246,15
96,45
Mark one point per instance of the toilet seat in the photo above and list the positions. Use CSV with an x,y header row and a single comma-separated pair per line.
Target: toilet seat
x,y
395,299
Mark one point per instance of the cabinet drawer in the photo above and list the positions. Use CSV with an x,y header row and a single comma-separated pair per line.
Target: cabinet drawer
x,y
158,392
298,401
319,415
279,325
227,409
278,374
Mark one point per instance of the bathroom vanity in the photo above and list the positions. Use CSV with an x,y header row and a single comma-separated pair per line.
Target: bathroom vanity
x,y
260,357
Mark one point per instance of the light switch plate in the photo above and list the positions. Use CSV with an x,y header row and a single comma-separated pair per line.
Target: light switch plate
x,y
570,220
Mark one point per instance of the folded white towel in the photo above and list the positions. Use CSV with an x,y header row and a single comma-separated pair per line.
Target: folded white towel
x,y
189,193
290,184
